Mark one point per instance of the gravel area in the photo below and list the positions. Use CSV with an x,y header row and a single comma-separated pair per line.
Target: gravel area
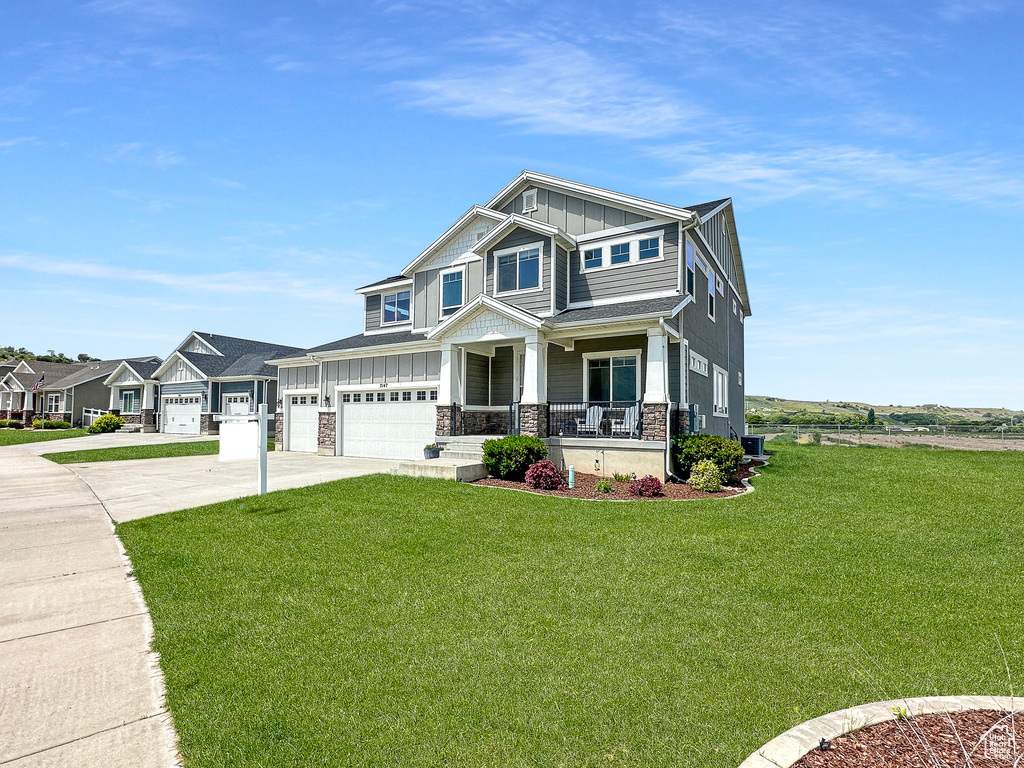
x,y
586,487
928,740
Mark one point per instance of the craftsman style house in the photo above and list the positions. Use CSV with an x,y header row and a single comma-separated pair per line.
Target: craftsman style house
x,y
71,392
601,322
205,376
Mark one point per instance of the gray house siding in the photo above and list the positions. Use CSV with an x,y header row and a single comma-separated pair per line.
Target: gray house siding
x,y
477,379
502,376
301,377
719,240
90,394
426,298
627,279
184,388
573,214
373,311
382,369
561,279
674,389
537,302
565,369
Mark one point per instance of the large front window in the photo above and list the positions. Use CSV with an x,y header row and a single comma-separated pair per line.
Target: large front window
x,y
519,270
613,378
451,293
128,402
52,403
396,307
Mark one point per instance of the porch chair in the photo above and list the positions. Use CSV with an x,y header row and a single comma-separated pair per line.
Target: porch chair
x,y
627,425
592,423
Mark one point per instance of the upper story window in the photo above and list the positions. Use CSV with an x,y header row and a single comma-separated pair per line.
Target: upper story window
x,y
721,392
711,294
451,292
650,248
689,268
620,253
593,258
396,307
519,268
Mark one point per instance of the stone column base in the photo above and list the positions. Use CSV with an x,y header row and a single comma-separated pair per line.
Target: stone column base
x,y
655,421
207,426
533,419
279,431
327,434
449,421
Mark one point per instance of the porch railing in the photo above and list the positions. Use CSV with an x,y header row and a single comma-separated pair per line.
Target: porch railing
x,y
513,418
596,418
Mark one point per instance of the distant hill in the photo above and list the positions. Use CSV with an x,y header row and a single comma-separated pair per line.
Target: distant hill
x,y
778,410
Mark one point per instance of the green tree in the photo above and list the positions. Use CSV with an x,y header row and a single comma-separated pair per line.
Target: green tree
x,y
871,415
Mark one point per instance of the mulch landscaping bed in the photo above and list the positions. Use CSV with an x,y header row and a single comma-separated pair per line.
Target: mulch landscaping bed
x,y
927,741
586,487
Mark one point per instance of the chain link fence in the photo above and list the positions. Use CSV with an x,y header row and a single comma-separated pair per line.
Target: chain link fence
x,y
936,437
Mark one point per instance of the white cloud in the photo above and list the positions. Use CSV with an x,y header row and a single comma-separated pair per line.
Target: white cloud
x,y
959,10
137,152
548,86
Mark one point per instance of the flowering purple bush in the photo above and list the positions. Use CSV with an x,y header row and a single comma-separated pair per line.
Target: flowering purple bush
x,y
545,476
646,486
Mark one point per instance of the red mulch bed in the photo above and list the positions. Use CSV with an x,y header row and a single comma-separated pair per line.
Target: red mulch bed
x,y
927,741
586,487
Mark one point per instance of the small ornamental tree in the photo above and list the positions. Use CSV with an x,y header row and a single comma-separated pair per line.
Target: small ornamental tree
x,y
544,475
645,487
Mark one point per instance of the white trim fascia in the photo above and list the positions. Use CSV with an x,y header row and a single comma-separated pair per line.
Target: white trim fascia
x,y
601,328
513,220
383,288
621,299
221,379
361,352
27,367
166,364
681,305
488,302
289,362
195,335
109,381
384,386
714,257
539,245
715,212
668,329
476,210
390,328
638,204
627,229
305,391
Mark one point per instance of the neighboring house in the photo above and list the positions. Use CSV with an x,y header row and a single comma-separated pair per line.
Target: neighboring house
x,y
71,392
204,376
601,322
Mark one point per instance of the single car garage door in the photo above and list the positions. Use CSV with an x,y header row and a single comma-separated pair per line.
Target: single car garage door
x,y
393,424
303,423
182,414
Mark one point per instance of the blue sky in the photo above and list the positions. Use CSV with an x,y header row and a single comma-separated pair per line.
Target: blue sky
x,y
239,168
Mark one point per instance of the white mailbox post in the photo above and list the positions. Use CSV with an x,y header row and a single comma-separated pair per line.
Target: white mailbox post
x,y
245,437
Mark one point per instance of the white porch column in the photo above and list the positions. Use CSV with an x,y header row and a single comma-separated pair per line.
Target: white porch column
x,y
656,390
450,389
113,392
148,392
535,374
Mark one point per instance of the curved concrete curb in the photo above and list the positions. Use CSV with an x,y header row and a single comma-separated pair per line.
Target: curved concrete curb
x,y
784,750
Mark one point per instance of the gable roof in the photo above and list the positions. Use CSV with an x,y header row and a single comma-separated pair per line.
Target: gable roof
x,y
238,358
385,282
483,301
513,221
703,209
449,234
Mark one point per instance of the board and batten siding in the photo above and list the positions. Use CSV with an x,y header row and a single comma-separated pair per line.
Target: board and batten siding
x,y
478,384
427,292
627,279
200,346
502,376
535,302
182,371
561,279
126,379
715,231
373,303
409,367
298,377
565,369
572,214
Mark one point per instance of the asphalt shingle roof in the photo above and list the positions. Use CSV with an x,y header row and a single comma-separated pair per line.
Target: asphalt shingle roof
x,y
385,281
702,209
145,370
662,306
239,357
376,340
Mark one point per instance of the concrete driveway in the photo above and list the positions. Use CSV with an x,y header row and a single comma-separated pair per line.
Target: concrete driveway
x,y
139,488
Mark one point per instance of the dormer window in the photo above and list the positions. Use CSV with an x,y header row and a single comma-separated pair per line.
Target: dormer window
x,y
396,307
593,258
530,201
451,292
650,248
518,269
620,253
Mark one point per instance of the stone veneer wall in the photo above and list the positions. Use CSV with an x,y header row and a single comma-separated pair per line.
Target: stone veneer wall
x,y
328,430
533,420
485,422
655,421
279,429
148,417
449,420
132,418
207,426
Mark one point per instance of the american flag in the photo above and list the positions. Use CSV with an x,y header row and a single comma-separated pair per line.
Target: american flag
x,y
39,383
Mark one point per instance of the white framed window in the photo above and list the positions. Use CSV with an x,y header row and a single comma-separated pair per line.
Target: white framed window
x,y
396,307
698,364
433,394
406,397
612,376
53,403
721,392
711,295
689,267
720,285
631,249
518,269
394,397
346,397
382,396
739,378
452,292
421,395
357,397
530,201
735,311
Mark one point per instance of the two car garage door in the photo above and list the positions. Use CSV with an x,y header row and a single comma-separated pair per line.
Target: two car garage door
x,y
380,425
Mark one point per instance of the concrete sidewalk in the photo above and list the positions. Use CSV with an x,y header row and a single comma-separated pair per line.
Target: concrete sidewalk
x,y
78,683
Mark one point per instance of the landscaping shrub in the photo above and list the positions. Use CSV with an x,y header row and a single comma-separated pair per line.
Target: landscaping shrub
x,y
622,477
510,457
15,424
646,486
108,423
3,423
545,476
727,455
56,425
706,476
603,486
37,424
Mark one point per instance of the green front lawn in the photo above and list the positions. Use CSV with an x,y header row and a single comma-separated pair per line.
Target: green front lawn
x,y
19,436
156,451
387,621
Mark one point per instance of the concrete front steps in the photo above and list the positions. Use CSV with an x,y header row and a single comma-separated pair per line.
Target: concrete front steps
x,y
461,459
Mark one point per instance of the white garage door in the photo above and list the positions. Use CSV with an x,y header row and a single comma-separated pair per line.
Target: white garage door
x,y
387,425
303,423
236,405
182,414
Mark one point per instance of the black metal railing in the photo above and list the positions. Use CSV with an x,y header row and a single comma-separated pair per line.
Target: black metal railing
x,y
513,418
608,418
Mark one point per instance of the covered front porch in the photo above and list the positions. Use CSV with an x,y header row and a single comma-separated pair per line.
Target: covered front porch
x,y
505,371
